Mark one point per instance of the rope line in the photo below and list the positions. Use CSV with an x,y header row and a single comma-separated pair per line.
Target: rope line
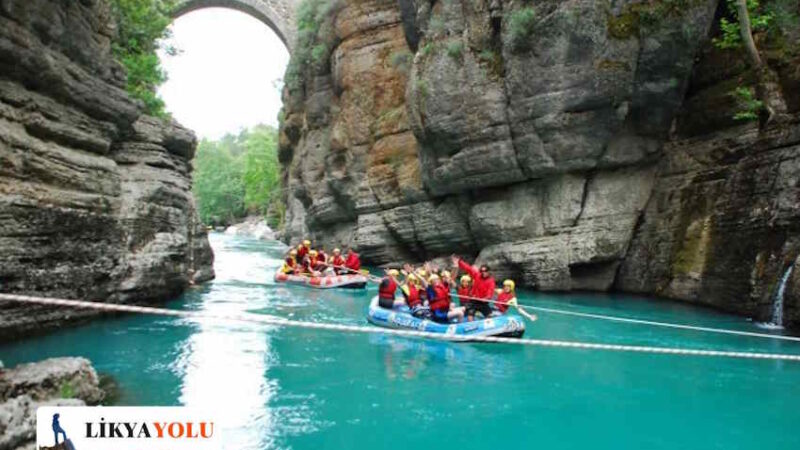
x,y
278,321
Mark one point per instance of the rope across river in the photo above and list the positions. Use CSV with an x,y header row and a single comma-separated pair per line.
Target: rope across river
x,y
282,322
631,320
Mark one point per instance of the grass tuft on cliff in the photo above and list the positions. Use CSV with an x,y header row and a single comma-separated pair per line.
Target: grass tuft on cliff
x,y
521,26
141,25
316,39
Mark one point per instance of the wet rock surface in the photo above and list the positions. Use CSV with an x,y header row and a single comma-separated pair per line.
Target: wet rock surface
x,y
570,148
52,382
95,199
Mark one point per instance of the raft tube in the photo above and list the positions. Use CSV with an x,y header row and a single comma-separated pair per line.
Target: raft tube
x,y
507,325
350,281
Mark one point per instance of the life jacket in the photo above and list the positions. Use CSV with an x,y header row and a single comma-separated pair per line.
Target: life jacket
x,y
502,301
306,265
289,265
481,287
439,298
464,291
412,295
338,261
322,257
318,265
302,252
387,289
353,262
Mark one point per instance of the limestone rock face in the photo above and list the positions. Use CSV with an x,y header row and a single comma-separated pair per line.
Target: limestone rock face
x,y
95,199
569,144
52,382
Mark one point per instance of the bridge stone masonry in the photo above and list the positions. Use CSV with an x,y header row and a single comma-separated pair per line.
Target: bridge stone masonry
x,y
279,15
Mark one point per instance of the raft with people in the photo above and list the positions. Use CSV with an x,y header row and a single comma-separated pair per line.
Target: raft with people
x,y
400,317
314,268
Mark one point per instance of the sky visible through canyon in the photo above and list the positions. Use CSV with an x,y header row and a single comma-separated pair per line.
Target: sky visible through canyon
x,y
227,75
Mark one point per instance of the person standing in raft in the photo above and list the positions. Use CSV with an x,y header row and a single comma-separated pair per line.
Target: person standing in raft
x,y
483,286
505,297
352,261
464,289
439,301
387,290
337,261
290,264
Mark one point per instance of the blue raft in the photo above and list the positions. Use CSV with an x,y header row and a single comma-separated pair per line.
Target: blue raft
x,y
507,325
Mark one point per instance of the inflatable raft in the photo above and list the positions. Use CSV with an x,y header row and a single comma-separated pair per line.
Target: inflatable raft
x,y
351,281
507,325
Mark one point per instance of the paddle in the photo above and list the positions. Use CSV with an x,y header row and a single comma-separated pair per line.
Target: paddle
x,y
513,302
364,272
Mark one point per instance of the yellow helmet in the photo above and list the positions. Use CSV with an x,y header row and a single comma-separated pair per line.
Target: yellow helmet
x,y
433,277
411,277
446,274
336,251
394,272
299,246
293,252
313,253
422,273
466,279
306,242
509,283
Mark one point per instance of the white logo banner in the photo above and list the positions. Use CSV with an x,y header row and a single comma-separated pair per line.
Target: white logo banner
x,y
125,428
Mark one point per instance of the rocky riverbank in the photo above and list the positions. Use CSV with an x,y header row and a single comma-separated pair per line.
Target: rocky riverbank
x,y
52,382
570,144
95,195
254,226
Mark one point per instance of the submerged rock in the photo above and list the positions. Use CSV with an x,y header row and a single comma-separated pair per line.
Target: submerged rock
x,y
52,382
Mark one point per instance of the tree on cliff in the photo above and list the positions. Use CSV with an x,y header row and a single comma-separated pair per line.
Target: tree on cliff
x,y
141,26
752,18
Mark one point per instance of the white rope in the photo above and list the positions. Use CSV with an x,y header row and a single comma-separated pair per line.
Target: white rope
x,y
272,320
645,322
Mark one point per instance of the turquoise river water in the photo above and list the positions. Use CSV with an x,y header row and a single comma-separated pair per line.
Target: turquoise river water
x,y
302,389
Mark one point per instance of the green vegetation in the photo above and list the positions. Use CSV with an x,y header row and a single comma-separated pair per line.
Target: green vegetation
x,y
427,49
141,24
521,26
731,32
637,16
67,390
401,60
436,27
315,42
455,49
749,105
239,175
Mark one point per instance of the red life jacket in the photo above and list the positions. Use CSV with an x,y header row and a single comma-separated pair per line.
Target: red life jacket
x,y
290,261
412,296
502,301
322,257
302,252
338,261
353,262
481,287
463,291
441,298
387,288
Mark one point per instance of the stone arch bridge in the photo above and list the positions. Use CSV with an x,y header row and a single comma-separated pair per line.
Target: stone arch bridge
x,y
277,14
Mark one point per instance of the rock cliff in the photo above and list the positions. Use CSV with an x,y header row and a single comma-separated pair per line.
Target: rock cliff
x,y
571,144
95,199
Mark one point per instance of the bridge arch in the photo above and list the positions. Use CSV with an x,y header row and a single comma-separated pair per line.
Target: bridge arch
x,y
279,15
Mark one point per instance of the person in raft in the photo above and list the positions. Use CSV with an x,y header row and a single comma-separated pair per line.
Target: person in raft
x,y
303,249
439,301
290,263
387,290
322,255
337,261
352,260
463,291
505,297
412,293
483,287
